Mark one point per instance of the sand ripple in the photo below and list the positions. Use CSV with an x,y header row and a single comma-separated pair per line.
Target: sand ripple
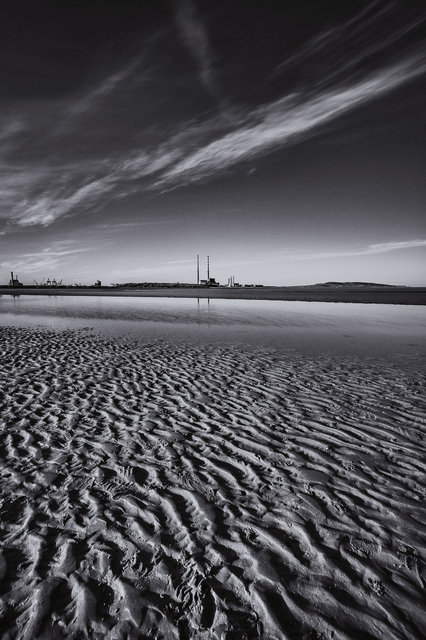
x,y
177,491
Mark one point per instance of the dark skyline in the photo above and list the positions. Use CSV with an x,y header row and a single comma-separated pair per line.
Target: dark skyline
x,y
286,141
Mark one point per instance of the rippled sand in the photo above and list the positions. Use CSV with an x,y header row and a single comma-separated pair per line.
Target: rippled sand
x,y
173,491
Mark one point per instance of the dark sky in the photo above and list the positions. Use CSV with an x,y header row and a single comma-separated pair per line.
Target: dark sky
x,y
287,140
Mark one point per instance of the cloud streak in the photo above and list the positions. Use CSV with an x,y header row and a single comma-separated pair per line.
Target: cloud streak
x,y
55,185
186,261
286,121
195,38
344,49
46,260
370,250
278,257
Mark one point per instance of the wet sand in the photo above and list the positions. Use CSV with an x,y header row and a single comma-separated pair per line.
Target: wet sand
x,y
174,490
367,295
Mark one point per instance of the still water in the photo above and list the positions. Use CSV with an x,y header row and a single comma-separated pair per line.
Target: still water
x,y
365,329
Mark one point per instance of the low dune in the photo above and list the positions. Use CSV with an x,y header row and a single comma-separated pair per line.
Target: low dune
x,y
174,490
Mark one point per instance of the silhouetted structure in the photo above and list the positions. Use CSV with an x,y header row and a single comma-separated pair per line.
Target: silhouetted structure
x,y
14,282
210,282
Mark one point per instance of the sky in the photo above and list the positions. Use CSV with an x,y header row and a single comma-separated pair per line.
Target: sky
x,y
284,140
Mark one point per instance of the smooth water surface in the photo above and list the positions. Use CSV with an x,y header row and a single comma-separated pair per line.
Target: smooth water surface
x,y
312,326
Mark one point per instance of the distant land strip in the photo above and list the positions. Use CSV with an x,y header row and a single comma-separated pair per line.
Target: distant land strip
x,y
378,294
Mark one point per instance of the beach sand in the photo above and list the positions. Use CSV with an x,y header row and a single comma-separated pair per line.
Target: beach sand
x,y
172,490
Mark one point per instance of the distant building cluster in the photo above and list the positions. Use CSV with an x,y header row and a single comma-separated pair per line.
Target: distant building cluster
x,y
206,282
212,282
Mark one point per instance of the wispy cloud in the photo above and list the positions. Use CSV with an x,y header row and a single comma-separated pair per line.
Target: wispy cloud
x,y
370,250
136,224
56,184
286,121
139,273
105,87
344,49
47,259
186,261
195,37
290,254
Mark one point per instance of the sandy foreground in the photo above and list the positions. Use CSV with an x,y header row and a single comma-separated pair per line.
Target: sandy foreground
x,y
173,490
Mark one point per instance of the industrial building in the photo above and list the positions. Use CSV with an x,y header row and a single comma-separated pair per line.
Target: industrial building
x,y
14,282
208,282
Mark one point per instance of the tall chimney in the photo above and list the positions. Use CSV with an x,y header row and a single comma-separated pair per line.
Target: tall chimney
x,y
208,267
11,278
198,269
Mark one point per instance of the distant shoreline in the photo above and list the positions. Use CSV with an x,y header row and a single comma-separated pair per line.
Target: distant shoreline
x,y
364,295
